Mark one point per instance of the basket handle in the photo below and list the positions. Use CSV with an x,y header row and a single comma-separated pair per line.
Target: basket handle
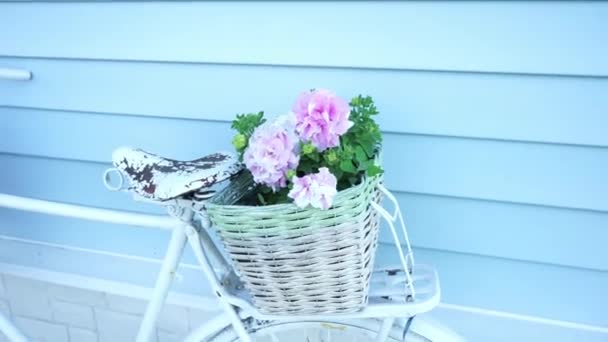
x,y
407,259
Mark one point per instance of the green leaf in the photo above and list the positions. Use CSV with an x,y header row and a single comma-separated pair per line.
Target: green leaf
x,y
261,199
369,146
338,173
374,170
331,156
347,166
365,164
345,140
361,154
246,123
305,167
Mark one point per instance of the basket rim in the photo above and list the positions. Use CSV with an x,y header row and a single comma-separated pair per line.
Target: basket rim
x,y
342,194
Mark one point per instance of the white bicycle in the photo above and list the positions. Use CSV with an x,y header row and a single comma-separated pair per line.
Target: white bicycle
x,y
396,296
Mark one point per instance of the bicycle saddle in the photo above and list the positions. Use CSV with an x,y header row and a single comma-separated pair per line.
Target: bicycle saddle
x,y
157,178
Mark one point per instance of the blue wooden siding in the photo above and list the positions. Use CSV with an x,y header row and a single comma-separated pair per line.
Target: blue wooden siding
x,y
460,36
494,114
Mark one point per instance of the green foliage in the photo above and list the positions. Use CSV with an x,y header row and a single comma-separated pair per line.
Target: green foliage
x,y
349,162
244,125
308,149
356,154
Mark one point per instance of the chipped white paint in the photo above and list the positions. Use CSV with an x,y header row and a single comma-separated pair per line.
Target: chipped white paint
x,y
158,178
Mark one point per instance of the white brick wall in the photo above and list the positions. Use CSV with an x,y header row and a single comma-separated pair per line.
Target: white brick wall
x,y
126,304
52,313
82,335
76,295
42,331
76,315
116,326
28,298
174,319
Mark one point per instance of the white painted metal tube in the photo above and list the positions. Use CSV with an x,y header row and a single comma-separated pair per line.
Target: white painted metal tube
x,y
385,329
163,283
10,331
216,258
398,215
12,74
229,310
87,213
385,214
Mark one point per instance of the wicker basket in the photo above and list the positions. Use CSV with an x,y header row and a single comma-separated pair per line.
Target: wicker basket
x,y
301,261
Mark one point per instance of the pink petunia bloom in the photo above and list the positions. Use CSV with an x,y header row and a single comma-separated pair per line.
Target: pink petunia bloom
x,y
317,190
301,191
272,151
321,118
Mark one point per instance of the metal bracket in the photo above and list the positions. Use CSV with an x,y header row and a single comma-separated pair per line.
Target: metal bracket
x,y
13,74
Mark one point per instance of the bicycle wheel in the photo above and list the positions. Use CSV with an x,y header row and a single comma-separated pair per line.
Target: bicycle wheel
x,y
362,330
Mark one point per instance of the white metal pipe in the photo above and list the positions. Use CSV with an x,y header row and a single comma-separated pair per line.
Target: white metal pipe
x,y
13,74
237,324
163,283
87,213
398,215
385,329
410,283
217,259
10,331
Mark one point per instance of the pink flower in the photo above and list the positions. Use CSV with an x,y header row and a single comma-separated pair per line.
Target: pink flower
x,y
321,118
317,190
301,191
272,151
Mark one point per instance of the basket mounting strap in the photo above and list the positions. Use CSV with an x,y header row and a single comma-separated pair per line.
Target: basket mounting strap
x,y
398,216
407,259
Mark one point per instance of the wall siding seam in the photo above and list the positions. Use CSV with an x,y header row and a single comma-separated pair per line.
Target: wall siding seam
x,y
308,66
385,131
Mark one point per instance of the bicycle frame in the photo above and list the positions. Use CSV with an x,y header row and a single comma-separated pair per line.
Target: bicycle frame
x,y
184,229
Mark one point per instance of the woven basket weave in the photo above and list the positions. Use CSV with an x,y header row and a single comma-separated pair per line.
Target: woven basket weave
x,y
301,261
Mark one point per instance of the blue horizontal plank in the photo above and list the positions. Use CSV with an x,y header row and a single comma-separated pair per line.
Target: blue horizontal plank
x,y
567,110
110,238
542,234
519,287
98,265
467,36
64,181
93,137
479,227
554,175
